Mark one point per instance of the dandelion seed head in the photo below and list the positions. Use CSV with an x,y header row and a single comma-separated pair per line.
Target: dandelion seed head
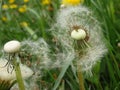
x,y
80,17
40,49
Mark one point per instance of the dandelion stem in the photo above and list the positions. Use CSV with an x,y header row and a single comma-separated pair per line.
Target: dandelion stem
x,y
81,79
18,75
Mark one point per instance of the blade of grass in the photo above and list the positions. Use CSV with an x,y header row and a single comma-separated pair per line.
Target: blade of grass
x,y
63,71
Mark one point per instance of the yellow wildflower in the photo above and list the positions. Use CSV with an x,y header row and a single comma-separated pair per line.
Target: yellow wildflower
x,y
71,2
5,6
46,2
4,19
13,6
22,9
25,1
11,1
24,24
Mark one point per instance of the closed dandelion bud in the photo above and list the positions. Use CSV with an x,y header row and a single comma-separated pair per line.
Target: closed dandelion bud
x,y
79,34
12,46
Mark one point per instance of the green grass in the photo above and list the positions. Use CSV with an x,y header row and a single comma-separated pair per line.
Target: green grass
x,y
106,75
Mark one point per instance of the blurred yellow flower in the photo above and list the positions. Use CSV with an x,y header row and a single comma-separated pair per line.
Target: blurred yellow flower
x,y
25,1
4,19
22,9
13,6
24,24
71,2
5,6
11,1
46,2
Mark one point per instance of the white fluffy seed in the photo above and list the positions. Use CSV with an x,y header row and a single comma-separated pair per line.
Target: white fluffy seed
x,y
12,46
78,34
5,76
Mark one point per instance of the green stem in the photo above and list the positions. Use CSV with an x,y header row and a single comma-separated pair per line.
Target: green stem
x,y
41,22
31,32
42,28
81,79
18,75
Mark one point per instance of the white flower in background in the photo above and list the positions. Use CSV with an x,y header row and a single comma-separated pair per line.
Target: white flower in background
x,y
87,44
12,46
10,78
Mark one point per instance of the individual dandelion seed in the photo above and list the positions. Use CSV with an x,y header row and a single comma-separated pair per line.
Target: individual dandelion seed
x,y
7,80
